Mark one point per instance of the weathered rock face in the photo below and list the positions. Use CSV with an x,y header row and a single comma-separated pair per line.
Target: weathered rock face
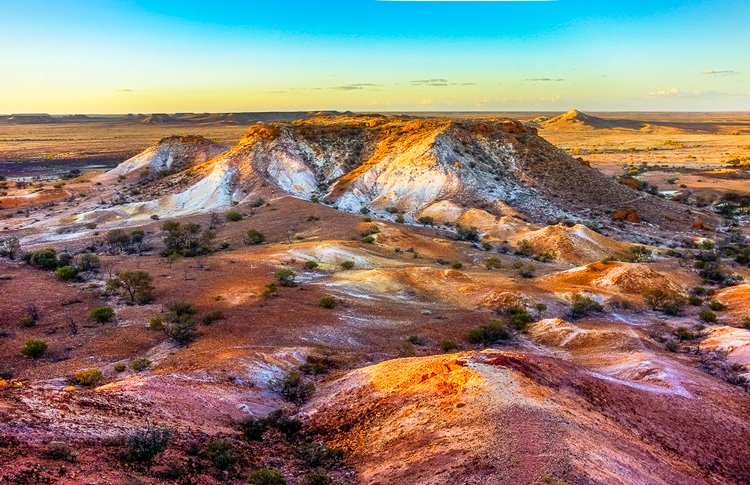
x,y
410,164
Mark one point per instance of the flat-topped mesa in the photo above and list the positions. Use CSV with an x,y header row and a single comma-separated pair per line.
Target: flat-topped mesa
x,y
407,164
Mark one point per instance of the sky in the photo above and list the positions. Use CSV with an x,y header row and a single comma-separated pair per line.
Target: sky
x,y
109,56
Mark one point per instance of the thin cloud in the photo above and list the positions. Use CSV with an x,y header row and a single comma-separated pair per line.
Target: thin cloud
x,y
352,87
430,82
123,90
720,73
543,79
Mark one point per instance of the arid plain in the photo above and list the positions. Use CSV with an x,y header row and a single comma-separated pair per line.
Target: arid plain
x,y
375,298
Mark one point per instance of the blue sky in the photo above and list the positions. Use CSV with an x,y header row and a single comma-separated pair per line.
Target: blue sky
x,y
366,55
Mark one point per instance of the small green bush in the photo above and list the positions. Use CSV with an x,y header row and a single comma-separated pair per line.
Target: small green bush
x,y
328,302
266,477
27,322
541,307
426,220
695,301
213,316
527,271
140,364
313,478
120,367
368,239
707,316
103,314
400,219
519,318
448,345
347,265
310,264
254,236
488,334
364,210
156,323
34,348
293,388
44,259
58,450
144,445
457,265
716,305
467,233
221,452
233,216
253,429
87,377
493,263
584,306
407,349
286,277
66,273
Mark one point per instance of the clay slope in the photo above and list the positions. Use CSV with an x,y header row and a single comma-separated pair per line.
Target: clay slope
x,y
170,155
575,245
496,417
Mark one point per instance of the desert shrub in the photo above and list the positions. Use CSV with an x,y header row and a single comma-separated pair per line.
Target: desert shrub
x,y
179,324
66,273
45,259
143,446
137,284
233,216
584,306
457,265
286,425
328,302
683,333
493,263
140,364
156,323
310,264
670,302
368,239
254,236
541,307
59,450
87,377
426,220
270,290
467,233
213,316
347,265
27,322
519,318
716,305
407,349
400,219
316,455
120,367
373,229
523,248
314,478
293,388
527,271
448,345
103,314
258,202
252,428
9,246
367,219
695,301
221,453
641,253
488,334
313,368
364,210
707,316
286,277
266,477
188,239
34,348
88,262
